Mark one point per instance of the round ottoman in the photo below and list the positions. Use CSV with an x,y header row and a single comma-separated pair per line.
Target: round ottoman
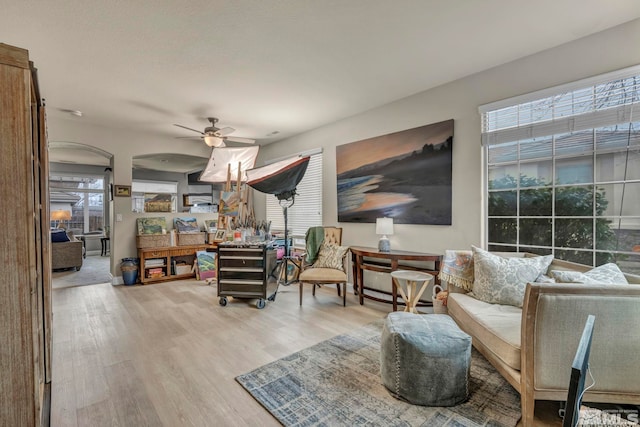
x,y
425,359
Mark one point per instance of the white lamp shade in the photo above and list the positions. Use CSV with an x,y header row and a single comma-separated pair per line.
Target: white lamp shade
x,y
384,226
213,141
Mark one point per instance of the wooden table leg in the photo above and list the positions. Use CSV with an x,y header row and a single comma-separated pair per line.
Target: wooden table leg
x,y
360,280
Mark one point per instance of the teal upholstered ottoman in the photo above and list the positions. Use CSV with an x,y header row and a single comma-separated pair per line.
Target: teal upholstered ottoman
x,y
425,359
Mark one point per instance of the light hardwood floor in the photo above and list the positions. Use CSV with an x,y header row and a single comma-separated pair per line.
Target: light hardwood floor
x,y
167,354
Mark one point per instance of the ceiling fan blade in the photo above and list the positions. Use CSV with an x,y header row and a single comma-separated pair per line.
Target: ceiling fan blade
x,y
242,140
225,131
184,127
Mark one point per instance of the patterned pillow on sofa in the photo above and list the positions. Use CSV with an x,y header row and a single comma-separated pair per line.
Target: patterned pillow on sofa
x,y
499,280
606,274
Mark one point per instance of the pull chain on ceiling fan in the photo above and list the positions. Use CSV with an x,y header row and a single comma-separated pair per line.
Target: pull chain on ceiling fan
x,y
215,137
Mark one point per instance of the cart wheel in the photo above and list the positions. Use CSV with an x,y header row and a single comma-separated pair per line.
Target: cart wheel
x,y
260,304
223,301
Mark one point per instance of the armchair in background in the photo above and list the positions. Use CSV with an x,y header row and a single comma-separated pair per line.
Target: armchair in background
x,y
66,250
323,262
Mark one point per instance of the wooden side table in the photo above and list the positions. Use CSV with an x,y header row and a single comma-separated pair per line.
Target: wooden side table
x,y
407,283
104,243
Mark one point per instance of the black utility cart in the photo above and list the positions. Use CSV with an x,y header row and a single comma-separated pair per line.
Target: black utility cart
x,y
244,271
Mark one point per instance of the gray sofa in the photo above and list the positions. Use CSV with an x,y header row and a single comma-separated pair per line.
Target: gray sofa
x,y
533,347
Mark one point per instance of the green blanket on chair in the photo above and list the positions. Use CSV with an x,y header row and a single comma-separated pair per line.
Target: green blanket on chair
x,y
313,238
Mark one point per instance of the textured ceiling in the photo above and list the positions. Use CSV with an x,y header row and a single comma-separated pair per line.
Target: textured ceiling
x,y
265,66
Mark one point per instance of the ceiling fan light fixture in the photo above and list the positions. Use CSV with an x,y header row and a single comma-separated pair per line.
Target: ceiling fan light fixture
x,y
213,141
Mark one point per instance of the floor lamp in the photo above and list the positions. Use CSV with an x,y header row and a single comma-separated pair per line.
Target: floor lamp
x,y
285,200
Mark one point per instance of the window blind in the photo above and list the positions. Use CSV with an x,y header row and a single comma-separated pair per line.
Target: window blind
x,y
600,101
307,209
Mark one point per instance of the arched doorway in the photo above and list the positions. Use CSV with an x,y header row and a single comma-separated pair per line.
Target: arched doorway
x,y
80,179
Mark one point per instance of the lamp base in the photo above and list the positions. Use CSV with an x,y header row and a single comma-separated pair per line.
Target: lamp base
x,y
384,245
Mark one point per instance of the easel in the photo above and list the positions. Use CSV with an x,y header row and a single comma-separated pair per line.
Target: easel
x,y
245,203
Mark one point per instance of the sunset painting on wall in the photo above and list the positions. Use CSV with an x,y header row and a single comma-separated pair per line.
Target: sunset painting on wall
x,y
404,175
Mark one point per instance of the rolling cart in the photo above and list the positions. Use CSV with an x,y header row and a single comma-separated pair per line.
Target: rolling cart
x,y
244,272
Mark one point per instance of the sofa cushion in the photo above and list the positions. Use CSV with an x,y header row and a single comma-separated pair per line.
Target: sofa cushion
x,y
496,326
500,280
606,274
59,235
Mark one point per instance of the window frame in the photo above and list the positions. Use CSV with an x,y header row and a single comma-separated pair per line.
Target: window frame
x,y
509,139
85,192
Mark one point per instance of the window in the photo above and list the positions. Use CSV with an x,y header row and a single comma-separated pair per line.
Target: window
x,y
563,171
83,196
307,209
154,196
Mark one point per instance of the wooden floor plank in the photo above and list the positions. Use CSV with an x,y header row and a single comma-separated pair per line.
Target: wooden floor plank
x,y
168,353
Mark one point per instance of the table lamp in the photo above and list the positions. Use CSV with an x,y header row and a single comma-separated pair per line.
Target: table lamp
x,y
384,226
60,215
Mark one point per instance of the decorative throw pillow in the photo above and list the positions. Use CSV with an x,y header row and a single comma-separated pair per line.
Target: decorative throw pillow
x,y
499,280
543,278
59,235
331,256
606,274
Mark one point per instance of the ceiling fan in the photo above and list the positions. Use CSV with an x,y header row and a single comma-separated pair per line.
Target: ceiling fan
x,y
214,136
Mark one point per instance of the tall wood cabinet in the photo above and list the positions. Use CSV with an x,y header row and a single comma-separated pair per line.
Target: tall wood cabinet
x,y
25,288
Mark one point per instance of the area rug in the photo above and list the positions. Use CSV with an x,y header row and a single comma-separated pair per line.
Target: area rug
x,y
337,383
95,269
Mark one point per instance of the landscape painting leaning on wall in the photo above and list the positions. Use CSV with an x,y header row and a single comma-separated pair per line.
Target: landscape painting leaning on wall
x,y
404,175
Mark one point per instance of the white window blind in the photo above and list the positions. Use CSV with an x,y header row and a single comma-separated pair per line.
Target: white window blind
x,y
600,101
307,209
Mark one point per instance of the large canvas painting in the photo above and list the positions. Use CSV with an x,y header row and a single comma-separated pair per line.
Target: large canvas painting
x,y
404,175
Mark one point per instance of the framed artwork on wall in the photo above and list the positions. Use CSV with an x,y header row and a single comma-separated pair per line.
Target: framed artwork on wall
x,y
122,190
403,175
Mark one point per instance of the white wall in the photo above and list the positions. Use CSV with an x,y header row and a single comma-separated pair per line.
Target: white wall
x,y
606,51
603,52
124,145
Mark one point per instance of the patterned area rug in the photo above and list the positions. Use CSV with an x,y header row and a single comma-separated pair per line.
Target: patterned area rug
x,y
337,382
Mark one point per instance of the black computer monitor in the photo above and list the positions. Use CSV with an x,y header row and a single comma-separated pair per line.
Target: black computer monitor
x,y
578,374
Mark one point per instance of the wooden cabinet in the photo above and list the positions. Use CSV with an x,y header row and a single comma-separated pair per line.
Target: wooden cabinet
x,y
157,264
25,294
244,271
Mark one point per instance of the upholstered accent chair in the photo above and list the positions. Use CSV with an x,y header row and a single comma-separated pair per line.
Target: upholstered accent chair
x,y
66,250
324,260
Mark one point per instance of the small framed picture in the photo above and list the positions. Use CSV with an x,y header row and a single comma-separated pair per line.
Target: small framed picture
x,y
220,235
122,191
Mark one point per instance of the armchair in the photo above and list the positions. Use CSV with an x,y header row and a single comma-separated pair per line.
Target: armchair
x,y
66,251
326,268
